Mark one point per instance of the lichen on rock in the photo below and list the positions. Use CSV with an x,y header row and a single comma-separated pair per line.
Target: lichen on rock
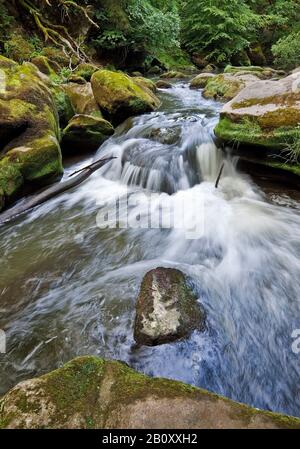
x,y
166,309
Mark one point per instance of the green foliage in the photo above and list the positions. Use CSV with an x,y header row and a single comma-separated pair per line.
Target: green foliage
x,y
291,153
218,28
286,51
141,25
5,22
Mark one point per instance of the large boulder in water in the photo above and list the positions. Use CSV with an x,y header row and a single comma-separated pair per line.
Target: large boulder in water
x,y
29,129
120,97
265,114
224,87
166,308
85,133
89,392
200,81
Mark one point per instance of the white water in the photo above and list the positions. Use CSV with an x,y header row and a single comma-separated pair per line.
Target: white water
x,y
69,288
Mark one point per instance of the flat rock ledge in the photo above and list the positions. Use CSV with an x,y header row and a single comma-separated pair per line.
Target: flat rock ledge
x,y
89,392
167,308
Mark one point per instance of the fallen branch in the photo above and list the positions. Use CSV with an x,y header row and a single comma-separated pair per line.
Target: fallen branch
x,y
219,176
54,190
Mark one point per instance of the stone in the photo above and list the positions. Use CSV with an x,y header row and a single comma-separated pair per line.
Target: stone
x,y
45,65
161,84
173,74
265,114
29,129
120,97
92,393
82,98
85,70
226,86
200,81
166,309
85,133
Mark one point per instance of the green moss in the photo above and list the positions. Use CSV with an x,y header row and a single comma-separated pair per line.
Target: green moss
x,y
249,131
18,48
223,88
233,69
63,105
85,71
11,178
119,97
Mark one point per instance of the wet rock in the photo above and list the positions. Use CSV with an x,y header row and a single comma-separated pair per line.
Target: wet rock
x,y
85,133
226,86
120,97
145,83
173,74
161,84
166,136
166,308
200,81
82,98
266,114
29,128
89,392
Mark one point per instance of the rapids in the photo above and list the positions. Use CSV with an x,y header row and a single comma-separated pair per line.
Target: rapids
x,y
68,288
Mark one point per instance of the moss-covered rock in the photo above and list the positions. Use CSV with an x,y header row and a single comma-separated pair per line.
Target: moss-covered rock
x,y
82,99
265,114
120,97
225,86
200,81
29,128
85,133
76,79
145,83
45,65
86,70
93,393
162,84
166,309
63,104
173,74
260,72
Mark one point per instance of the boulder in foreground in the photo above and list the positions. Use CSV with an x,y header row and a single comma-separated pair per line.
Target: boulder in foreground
x,y
166,309
93,393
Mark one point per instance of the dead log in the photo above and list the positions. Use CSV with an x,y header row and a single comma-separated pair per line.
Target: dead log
x,y
54,190
219,177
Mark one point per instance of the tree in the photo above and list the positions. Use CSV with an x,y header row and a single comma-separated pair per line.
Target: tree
x,y
218,28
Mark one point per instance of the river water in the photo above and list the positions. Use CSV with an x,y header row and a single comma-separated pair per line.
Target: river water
x,y
68,288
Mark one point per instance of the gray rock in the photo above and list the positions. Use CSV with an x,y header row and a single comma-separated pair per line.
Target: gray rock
x,y
166,309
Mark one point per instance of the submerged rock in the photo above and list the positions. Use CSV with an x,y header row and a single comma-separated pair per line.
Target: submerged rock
x,y
29,128
166,308
85,133
93,393
120,97
265,114
200,81
224,87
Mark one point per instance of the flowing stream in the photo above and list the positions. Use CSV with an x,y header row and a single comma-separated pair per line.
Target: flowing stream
x,y
68,288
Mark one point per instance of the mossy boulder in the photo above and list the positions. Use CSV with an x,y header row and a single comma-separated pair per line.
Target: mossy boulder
x,y
260,72
265,114
200,81
225,86
82,99
85,133
76,79
29,128
63,104
145,83
45,65
89,392
85,70
162,84
173,74
166,309
120,97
